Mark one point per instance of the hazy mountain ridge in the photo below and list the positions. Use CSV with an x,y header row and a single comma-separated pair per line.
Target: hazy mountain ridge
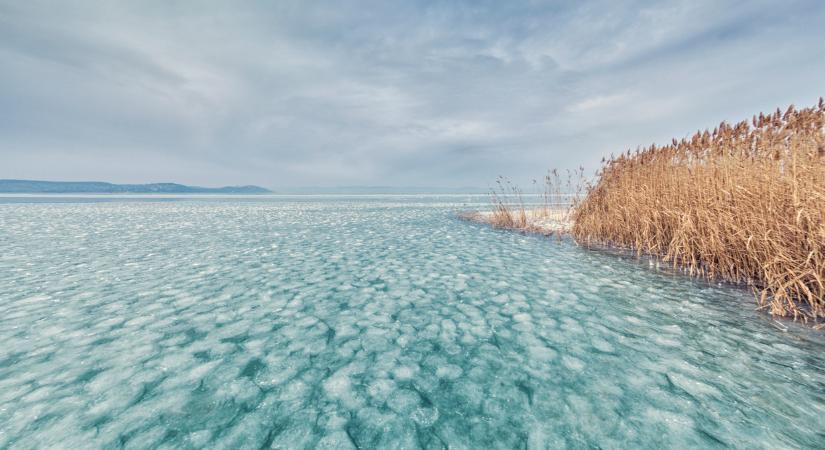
x,y
100,187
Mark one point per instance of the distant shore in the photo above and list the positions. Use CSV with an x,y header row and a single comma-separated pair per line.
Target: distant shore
x,y
100,187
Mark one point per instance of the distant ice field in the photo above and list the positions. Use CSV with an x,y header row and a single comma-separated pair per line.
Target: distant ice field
x,y
372,322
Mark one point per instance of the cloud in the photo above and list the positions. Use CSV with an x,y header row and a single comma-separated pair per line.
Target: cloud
x,y
385,93
599,102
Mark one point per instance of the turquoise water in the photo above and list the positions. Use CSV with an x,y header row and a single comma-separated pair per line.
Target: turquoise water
x,y
373,322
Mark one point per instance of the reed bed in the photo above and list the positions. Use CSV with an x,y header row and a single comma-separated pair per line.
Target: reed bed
x,y
550,214
744,203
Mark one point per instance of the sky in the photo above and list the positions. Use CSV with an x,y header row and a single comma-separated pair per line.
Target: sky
x,y
408,93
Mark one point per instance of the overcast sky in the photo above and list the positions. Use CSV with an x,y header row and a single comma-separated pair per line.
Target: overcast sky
x,y
401,93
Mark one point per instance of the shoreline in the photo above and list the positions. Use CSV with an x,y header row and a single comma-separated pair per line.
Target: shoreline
x,y
558,222
540,220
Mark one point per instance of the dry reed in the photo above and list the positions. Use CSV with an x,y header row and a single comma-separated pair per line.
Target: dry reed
x,y
508,206
553,212
743,203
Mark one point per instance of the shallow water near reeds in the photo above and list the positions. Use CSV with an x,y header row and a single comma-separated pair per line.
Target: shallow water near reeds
x,y
372,322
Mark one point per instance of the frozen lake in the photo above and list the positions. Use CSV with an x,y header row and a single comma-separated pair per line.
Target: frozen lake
x,y
372,322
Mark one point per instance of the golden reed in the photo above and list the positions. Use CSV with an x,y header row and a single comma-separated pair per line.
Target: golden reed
x,y
743,203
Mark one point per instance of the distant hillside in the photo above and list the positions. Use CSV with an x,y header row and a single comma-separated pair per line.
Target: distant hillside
x,y
98,187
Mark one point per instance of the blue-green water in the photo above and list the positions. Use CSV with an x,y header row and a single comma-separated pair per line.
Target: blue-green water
x,y
373,322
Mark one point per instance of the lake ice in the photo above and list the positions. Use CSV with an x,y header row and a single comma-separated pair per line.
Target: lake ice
x,y
373,322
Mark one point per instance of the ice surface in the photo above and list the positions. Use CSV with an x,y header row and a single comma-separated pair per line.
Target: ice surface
x,y
373,322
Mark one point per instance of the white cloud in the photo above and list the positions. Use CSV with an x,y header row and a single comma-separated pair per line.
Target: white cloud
x,y
600,102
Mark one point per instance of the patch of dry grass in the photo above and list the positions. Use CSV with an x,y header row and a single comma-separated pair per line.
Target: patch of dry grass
x,y
743,203
550,215
535,220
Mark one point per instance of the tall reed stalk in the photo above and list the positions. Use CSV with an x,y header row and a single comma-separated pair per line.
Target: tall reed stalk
x,y
508,205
